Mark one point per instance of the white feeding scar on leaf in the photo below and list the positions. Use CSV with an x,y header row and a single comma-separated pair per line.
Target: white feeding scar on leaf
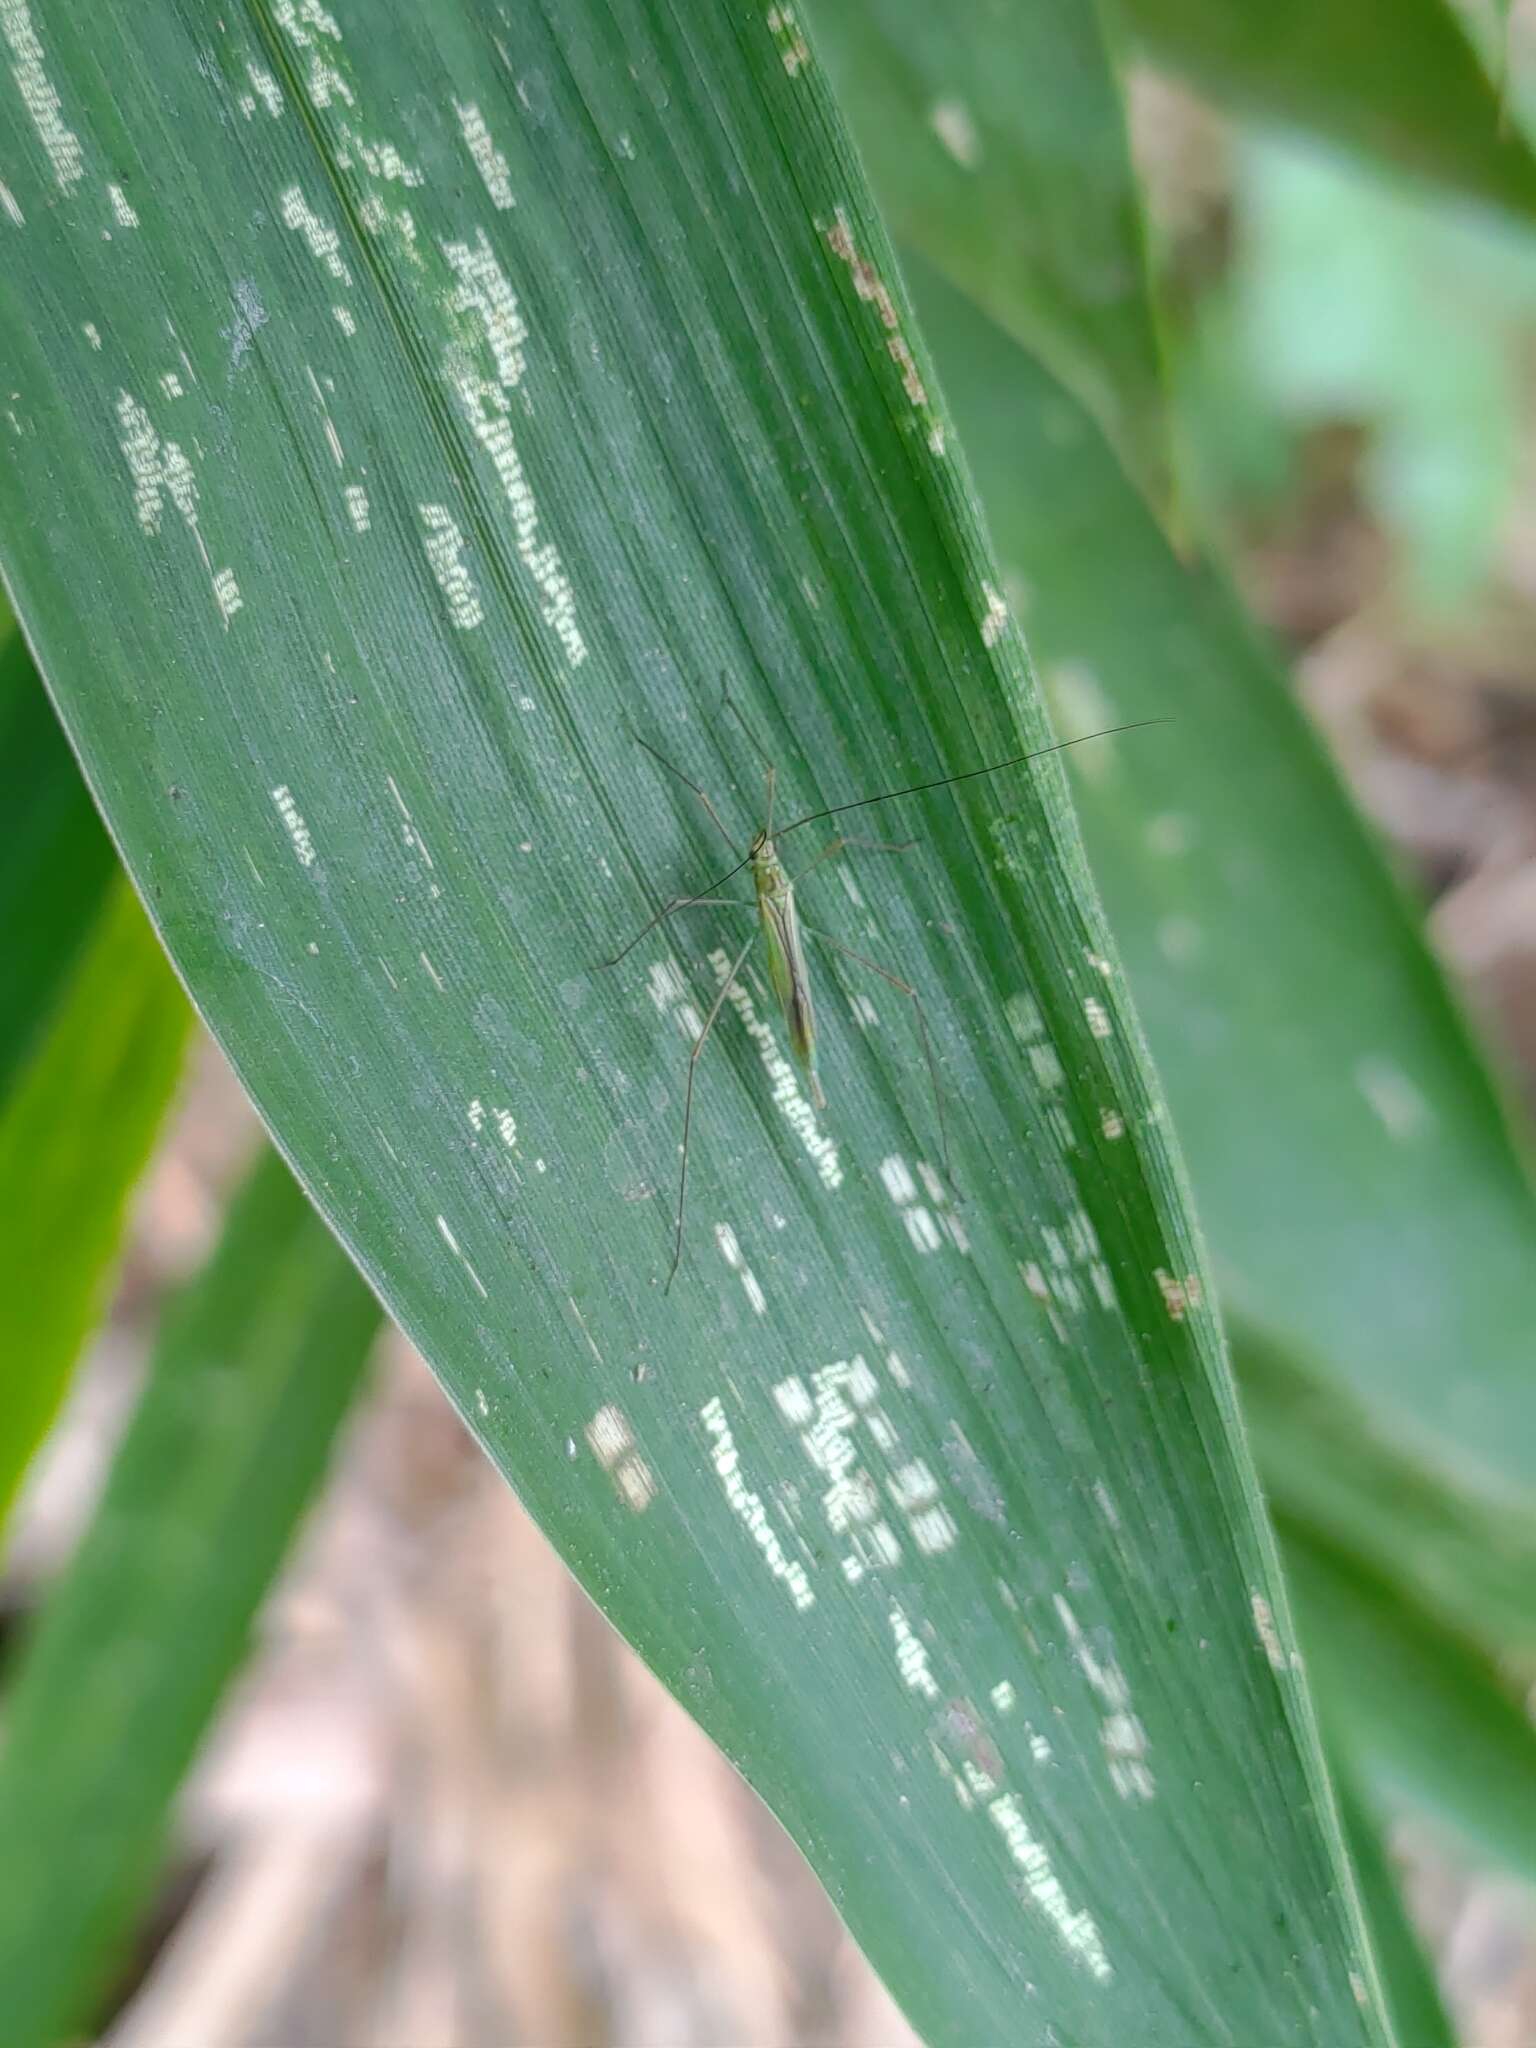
x,y
788,1097
380,160
38,95
445,552
1268,1634
926,1230
486,157
1121,1733
453,1245
484,293
160,470
793,48
226,594
1076,1928
319,237
749,1509
266,88
298,831
730,1251
486,308
912,1658
612,1443
310,27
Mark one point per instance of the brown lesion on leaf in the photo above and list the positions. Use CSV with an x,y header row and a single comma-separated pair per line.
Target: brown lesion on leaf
x,y
873,290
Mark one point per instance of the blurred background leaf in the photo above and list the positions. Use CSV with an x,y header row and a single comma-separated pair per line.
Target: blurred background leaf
x,y
1304,1033
92,1031
1394,81
996,140
1412,1997
109,1695
1358,299
56,862
1424,1716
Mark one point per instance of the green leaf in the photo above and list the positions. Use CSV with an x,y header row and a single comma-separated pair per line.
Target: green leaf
x,y
1412,1994
467,391
1463,1553
56,862
250,1378
1369,1215
90,1017
1358,298
1422,1716
75,1132
995,138
1394,80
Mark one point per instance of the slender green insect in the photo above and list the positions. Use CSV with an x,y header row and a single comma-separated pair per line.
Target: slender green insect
x,y
780,929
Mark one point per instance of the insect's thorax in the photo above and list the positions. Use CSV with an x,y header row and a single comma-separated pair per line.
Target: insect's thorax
x,y
768,876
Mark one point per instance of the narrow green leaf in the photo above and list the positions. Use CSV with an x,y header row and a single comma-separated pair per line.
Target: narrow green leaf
x,y
1369,1215
1396,80
1423,1717
1501,58
1412,1994
75,1132
56,862
110,1697
468,391
1466,1554
996,141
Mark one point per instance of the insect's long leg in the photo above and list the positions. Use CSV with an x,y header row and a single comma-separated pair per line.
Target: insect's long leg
x,y
864,846
693,1067
677,903
728,703
672,769
908,990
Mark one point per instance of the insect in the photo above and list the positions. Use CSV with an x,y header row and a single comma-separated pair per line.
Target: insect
x,y
780,928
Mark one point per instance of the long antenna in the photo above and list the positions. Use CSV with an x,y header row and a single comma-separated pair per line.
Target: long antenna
x,y
969,774
858,803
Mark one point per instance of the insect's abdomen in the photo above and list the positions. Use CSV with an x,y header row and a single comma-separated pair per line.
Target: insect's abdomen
x,y
791,982
802,1039
800,1018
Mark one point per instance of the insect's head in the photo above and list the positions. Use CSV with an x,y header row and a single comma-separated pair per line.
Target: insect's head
x,y
762,847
